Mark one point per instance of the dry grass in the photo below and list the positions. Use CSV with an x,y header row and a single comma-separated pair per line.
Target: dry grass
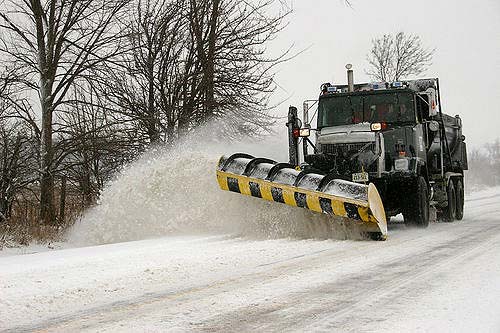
x,y
17,235
23,228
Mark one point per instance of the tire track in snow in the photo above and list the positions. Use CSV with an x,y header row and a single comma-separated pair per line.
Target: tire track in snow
x,y
337,304
269,273
264,273
337,301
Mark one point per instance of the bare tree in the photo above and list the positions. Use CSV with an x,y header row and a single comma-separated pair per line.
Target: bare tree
x,y
236,73
144,89
17,163
93,84
56,43
398,56
195,61
484,165
493,150
91,146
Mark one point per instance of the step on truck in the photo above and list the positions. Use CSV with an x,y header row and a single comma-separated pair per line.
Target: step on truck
x,y
378,150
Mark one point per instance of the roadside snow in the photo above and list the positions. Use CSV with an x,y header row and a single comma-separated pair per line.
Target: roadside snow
x,y
444,278
38,286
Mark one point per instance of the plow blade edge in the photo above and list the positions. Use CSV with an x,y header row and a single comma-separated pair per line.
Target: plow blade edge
x,y
282,182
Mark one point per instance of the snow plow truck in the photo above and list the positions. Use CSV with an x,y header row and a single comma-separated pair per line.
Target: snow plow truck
x,y
380,149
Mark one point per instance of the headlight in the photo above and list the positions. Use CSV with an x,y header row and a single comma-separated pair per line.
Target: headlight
x,y
378,126
305,132
401,164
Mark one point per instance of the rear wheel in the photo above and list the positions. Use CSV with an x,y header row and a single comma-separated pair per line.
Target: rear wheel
x,y
459,189
449,212
417,210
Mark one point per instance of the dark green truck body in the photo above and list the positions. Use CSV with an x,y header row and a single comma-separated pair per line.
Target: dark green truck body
x,y
397,137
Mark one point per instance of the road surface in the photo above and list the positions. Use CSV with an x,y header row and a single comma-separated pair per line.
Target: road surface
x,y
442,279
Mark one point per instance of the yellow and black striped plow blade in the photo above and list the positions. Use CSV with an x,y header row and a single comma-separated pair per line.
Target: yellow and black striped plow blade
x,y
282,182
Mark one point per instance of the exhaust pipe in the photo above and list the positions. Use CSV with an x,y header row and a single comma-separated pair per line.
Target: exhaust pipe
x,y
350,78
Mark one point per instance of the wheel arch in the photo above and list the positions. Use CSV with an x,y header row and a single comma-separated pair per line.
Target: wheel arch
x,y
422,169
453,176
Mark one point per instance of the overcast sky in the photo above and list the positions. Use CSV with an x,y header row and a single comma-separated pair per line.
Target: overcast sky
x,y
466,35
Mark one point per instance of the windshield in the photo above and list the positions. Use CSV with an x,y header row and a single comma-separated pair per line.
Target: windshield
x,y
345,110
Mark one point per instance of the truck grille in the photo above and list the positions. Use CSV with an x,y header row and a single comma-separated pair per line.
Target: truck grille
x,y
342,149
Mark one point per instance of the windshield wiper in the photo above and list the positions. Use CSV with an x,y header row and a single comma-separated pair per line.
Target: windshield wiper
x,y
399,106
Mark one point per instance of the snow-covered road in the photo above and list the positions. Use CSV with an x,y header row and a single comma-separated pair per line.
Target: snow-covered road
x,y
442,279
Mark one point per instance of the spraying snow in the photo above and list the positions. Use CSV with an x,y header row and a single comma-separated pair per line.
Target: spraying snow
x,y
174,191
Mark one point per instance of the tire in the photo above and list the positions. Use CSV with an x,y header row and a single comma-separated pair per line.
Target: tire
x,y
417,210
459,191
449,212
376,236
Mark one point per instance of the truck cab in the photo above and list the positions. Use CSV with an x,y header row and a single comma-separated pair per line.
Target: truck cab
x,y
395,136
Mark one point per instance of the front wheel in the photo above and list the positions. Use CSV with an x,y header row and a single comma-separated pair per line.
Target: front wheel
x,y
417,210
377,236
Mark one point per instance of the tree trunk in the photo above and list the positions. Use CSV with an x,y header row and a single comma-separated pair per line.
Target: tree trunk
x,y
170,131
47,210
85,182
153,131
62,201
47,74
210,65
4,205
